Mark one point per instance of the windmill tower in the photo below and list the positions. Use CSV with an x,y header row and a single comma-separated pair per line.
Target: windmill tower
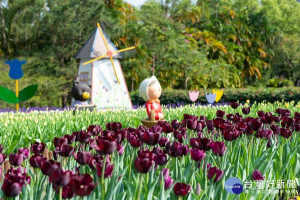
x,y
100,68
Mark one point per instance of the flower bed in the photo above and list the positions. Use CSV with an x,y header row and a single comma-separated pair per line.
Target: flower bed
x,y
188,157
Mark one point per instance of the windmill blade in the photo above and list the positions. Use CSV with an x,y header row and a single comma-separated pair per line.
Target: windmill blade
x,y
127,53
112,62
90,61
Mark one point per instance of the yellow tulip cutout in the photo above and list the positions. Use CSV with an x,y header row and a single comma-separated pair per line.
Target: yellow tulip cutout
x,y
219,94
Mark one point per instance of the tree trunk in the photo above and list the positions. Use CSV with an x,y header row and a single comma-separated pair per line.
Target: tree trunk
x,y
132,84
186,82
64,100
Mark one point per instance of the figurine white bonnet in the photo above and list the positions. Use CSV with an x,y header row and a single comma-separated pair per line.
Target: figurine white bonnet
x,y
143,88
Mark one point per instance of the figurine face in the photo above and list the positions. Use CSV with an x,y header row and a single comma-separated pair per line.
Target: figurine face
x,y
154,91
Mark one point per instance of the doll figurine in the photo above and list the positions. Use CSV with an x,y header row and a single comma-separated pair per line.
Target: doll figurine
x,y
81,93
150,91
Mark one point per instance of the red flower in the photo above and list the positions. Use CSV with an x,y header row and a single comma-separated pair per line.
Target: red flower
x,y
113,126
234,105
36,160
285,132
108,169
60,177
246,110
16,159
65,150
181,189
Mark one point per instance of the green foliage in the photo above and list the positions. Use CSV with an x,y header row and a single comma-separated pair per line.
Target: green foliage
x,y
8,96
28,92
229,95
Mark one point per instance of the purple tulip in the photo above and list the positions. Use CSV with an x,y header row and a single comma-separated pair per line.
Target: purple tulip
x,y
83,157
285,132
266,134
120,149
175,124
218,148
160,158
144,161
37,148
104,145
36,160
25,152
234,105
230,135
48,166
60,141
220,113
65,150
246,110
2,158
94,129
214,171
150,138
181,189
82,185
16,159
60,177
257,175
113,126
167,179
70,138
191,124
275,128
197,154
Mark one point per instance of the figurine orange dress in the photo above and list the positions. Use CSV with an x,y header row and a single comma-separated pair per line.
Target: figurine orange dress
x,y
150,91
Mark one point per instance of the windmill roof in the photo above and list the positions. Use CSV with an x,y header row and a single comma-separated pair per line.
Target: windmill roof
x,y
94,47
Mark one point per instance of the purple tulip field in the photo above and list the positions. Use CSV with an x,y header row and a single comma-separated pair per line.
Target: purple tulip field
x,y
111,156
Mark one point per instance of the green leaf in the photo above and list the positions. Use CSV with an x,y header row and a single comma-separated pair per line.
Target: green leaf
x,y
8,95
150,193
28,92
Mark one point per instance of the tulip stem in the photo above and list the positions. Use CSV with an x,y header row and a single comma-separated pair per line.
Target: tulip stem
x,y
60,193
140,188
102,178
180,197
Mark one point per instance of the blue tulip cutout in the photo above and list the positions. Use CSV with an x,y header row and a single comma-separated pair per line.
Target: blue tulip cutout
x,y
211,97
15,71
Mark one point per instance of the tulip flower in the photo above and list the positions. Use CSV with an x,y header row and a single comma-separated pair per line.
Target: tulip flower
x,y
2,158
214,171
218,148
1,148
234,105
47,167
163,141
257,175
14,180
197,154
25,152
120,135
260,113
70,138
37,148
83,158
144,161
36,160
230,135
108,169
167,179
60,177
104,145
16,159
220,113
297,127
96,159
113,126
181,189
134,141
174,150
94,129
191,124
256,124
246,110
60,141
120,149
175,124
82,185
285,132
160,158
83,137
266,134
151,138
65,150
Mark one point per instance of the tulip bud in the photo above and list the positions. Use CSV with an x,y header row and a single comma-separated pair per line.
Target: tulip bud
x,y
198,189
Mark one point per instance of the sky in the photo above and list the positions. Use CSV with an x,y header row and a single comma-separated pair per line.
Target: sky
x,y
136,3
